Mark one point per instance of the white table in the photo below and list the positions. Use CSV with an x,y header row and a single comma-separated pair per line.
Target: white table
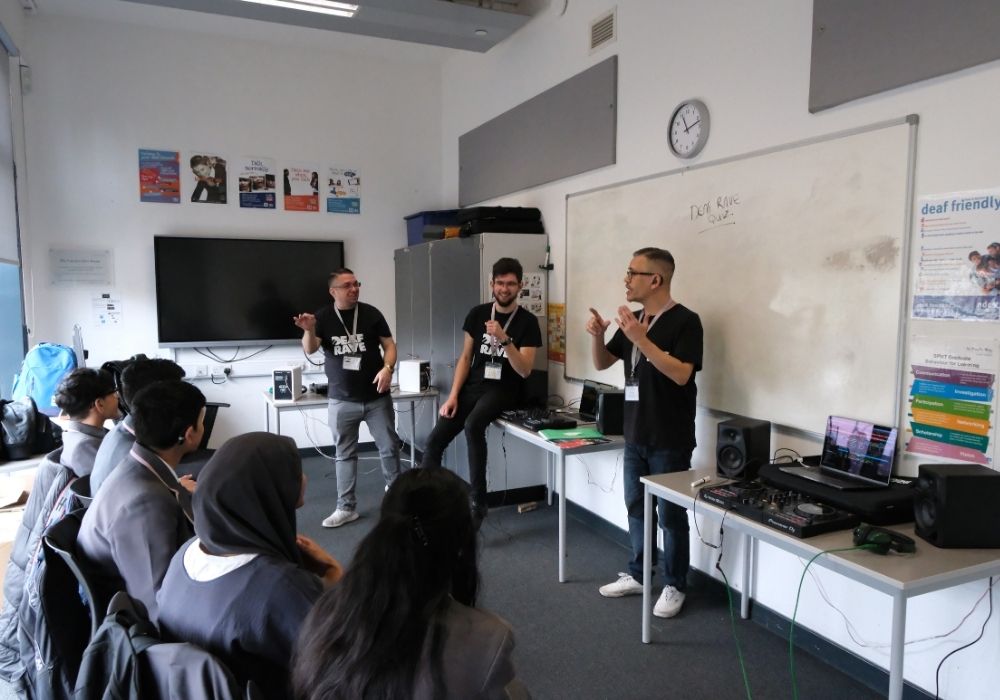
x,y
901,576
556,460
311,401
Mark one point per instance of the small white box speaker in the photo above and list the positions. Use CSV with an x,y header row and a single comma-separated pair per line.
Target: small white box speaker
x,y
414,376
287,384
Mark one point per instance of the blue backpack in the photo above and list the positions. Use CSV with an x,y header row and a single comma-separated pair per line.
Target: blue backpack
x,y
42,370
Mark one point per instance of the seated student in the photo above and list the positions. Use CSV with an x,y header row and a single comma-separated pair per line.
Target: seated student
x,y
142,514
242,587
119,441
401,623
88,397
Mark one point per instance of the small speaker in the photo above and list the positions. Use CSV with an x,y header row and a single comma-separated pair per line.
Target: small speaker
x,y
286,384
742,446
610,413
955,505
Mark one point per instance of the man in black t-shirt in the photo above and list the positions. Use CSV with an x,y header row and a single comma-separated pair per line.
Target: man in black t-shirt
x,y
661,347
498,354
359,356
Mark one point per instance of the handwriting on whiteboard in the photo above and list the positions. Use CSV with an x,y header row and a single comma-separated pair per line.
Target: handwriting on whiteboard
x,y
712,214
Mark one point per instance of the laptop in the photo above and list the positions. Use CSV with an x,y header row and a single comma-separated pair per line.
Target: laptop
x,y
586,412
856,455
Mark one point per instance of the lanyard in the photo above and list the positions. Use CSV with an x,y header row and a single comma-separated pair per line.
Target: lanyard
x,y
175,488
353,331
493,317
657,317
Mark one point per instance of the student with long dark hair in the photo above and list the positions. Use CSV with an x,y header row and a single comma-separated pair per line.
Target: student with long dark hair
x,y
402,622
242,587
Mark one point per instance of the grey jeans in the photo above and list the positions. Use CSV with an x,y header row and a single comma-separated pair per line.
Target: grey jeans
x,y
345,420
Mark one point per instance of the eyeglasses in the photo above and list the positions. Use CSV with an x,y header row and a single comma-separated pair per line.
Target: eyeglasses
x,y
630,273
348,285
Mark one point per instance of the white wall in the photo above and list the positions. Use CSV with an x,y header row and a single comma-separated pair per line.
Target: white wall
x,y
103,89
750,63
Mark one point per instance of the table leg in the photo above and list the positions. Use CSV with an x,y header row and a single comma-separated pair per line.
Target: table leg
x,y
561,475
748,558
898,640
647,561
277,421
549,475
267,416
413,433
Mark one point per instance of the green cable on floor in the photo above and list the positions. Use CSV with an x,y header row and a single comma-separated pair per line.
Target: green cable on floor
x,y
791,629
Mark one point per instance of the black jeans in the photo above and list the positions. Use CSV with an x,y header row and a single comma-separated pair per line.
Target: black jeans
x,y
478,406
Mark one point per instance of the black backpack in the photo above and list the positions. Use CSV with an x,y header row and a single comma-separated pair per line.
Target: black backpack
x,y
24,431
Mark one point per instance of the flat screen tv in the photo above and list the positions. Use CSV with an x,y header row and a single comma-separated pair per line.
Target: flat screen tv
x,y
238,291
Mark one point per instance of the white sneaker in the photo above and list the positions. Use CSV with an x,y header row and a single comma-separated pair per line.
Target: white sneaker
x,y
625,585
341,517
669,603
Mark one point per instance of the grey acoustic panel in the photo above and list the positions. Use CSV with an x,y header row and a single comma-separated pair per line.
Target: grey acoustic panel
x,y
566,130
862,48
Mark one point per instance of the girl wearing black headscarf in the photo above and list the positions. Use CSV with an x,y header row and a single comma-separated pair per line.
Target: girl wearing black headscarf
x,y
242,587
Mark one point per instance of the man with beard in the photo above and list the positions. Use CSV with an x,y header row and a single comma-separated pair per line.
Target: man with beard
x,y
498,354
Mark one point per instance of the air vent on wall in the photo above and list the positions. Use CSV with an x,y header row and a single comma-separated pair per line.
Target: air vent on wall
x,y
602,30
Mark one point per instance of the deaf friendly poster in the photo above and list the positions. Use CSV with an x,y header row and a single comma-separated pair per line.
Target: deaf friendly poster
x,y
257,183
159,176
301,187
958,266
951,399
343,191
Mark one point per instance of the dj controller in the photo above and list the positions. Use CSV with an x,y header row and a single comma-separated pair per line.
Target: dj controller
x,y
789,511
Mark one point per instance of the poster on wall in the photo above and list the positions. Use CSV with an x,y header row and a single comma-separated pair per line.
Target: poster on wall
x,y
159,176
557,332
952,398
301,187
206,178
343,191
257,183
958,268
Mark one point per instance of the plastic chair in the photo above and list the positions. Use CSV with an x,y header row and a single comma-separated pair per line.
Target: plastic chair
x,y
80,488
60,538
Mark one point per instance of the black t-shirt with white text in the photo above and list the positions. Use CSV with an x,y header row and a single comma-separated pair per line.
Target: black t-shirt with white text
x,y
663,417
523,331
337,342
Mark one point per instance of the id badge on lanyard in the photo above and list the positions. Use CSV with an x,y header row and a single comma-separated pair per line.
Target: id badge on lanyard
x,y
352,362
492,370
632,389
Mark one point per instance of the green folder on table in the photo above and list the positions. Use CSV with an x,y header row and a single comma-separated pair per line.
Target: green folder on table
x,y
570,433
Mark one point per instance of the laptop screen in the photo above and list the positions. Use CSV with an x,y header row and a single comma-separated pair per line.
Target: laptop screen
x,y
859,450
588,399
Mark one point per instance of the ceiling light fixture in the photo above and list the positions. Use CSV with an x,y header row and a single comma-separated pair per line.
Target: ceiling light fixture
x,y
323,7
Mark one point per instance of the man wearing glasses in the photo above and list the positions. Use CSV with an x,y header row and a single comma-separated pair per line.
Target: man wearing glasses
x,y
498,354
661,348
359,356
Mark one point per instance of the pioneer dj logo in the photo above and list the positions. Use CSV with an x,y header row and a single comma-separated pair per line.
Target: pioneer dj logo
x,y
348,344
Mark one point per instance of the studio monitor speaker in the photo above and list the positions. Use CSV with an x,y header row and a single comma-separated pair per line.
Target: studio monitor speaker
x,y
610,412
743,445
955,505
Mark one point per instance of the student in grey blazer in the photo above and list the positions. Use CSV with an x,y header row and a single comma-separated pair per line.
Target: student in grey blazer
x,y
142,514
402,623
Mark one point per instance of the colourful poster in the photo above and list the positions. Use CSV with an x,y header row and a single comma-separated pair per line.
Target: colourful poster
x,y
301,186
343,191
951,399
557,332
257,183
958,267
159,176
206,178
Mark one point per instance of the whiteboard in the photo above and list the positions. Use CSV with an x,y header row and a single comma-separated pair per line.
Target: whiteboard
x,y
795,259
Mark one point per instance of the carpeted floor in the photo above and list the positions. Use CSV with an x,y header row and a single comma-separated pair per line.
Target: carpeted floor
x,y
571,642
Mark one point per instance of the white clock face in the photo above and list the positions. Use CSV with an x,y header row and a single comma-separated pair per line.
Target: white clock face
x,y
689,129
